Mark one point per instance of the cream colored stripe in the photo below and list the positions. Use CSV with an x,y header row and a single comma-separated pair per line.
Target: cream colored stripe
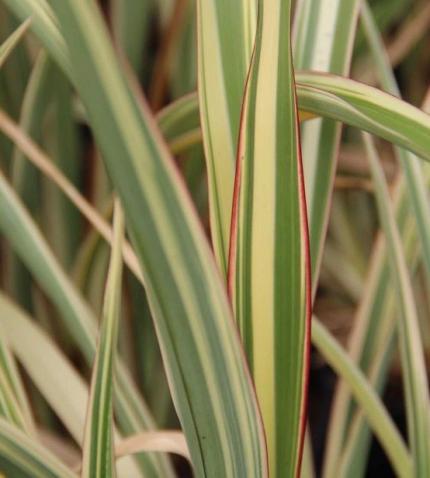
x,y
166,233
325,34
262,280
218,141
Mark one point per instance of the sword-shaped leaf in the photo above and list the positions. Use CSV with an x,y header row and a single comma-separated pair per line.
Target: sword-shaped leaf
x,y
269,274
6,48
98,454
222,25
207,371
23,456
324,33
18,227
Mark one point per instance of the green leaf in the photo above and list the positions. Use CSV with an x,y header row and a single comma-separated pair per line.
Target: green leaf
x,y
57,380
98,455
371,405
269,274
414,369
324,33
372,337
221,79
371,342
207,372
44,25
131,22
366,108
24,177
14,406
344,100
411,166
22,456
7,47
18,227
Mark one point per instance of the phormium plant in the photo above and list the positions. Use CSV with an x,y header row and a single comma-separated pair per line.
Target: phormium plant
x,y
212,179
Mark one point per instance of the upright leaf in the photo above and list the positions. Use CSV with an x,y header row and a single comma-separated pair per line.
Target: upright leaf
x,y
269,270
98,457
221,81
24,177
324,36
131,22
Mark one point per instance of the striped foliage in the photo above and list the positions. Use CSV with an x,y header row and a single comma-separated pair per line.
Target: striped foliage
x,y
31,247
13,401
269,269
335,97
56,378
324,36
176,261
223,269
22,456
98,458
371,404
411,349
221,80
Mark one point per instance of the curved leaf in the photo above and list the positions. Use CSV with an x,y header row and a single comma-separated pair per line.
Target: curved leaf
x,y
201,350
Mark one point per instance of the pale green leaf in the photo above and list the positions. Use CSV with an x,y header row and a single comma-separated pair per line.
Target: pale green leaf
x,y
22,456
31,247
57,380
221,78
414,369
324,32
176,261
371,405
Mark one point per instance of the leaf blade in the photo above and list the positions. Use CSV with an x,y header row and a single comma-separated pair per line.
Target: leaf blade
x,y
98,456
180,272
7,47
269,264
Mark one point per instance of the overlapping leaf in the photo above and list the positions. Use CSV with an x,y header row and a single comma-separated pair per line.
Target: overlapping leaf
x,y
414,369
221,26
175,260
